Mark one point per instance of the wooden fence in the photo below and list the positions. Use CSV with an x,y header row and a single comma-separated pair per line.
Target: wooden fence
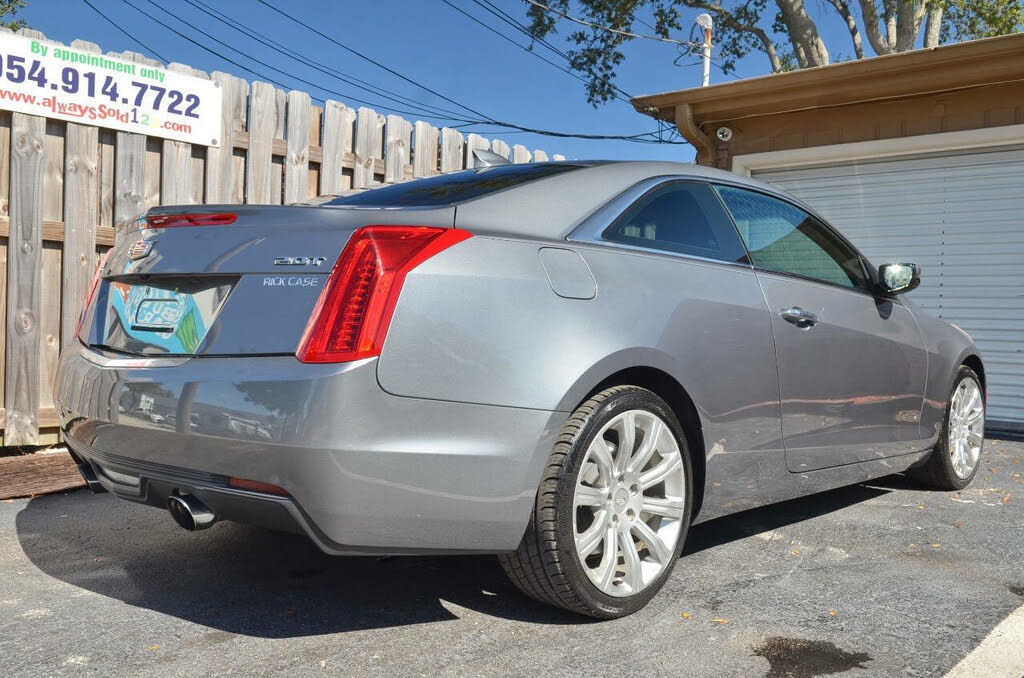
x,y
65,189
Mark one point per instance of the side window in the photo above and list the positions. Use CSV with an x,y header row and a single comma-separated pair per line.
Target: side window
x,y
681,216
782,237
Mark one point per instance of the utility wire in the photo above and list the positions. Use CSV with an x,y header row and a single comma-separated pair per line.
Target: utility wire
x,y
266,65
372,61
552,133
582,22
621,95
351,80
505,37
126,33
635,138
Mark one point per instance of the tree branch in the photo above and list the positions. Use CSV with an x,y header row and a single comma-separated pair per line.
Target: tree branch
x,y
727,19
873,27
905,24
933,27
803,33
851,23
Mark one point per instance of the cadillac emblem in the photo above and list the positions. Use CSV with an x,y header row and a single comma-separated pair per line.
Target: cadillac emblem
x,y
140,249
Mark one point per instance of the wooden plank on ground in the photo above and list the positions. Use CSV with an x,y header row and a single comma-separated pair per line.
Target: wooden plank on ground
x,y
398,141
259,180
24,280
452,156
296,169
28,475
424,156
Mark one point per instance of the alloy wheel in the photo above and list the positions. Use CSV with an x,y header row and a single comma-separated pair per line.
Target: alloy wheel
x,y
966,428
629,503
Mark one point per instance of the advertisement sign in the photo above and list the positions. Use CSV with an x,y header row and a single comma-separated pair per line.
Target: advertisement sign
x,y
54,81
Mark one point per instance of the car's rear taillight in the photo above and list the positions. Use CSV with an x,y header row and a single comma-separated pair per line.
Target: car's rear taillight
x,y
351,318
93,284
179,220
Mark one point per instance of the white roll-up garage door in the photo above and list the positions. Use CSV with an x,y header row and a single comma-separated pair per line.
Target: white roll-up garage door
x,y
961,217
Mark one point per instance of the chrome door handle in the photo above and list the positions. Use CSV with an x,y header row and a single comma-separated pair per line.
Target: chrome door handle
x,y
799,317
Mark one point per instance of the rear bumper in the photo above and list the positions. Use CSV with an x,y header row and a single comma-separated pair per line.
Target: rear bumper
x,y
367,472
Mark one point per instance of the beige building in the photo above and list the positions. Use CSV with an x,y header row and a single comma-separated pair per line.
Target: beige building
x,y
916,156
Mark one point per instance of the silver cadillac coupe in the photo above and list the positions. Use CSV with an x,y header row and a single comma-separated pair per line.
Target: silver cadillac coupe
x,y
566,364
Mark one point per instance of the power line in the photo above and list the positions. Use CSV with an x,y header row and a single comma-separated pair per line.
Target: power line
x,y
634,138
505,37
266,65
583,22
499,123
372,61
129,35
352,80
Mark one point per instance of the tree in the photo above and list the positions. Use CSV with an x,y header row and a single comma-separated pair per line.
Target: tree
x,y
789,38
8,8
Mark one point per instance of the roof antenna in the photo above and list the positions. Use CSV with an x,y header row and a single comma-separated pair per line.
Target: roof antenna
x,y
482,158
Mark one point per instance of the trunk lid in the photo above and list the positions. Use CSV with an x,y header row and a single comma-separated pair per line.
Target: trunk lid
x,y
247,288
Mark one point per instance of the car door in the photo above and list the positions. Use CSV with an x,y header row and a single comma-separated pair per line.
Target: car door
x,y
851,364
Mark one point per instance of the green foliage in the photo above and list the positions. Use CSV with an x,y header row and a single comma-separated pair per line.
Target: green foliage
x,y
8,10
973,19
745,26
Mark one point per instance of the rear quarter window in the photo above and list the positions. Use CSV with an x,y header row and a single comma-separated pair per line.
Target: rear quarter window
x,y
447,189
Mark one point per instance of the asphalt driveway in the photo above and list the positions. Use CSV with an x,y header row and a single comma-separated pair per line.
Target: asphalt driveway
x,y
879,579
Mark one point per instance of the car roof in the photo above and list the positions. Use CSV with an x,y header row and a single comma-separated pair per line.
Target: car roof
x,y
552,207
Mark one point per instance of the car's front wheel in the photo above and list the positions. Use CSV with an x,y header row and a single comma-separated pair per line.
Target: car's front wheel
x,y
612,510
954,461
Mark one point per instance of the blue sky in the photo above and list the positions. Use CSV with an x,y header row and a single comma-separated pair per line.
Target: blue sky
x,y
427,41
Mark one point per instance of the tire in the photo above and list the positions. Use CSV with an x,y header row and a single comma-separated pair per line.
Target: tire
x,y
548,567
939,471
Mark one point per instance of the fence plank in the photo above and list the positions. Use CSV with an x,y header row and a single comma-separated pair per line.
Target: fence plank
x,y
220,163
24,280
81,216
296,170
452,157
473,142
258,181
130,166
424,156
520,154
500,147
338,126
176,162
398,135
53,169
368,124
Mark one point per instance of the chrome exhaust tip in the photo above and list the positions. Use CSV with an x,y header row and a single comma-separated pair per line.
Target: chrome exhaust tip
x,y
189,512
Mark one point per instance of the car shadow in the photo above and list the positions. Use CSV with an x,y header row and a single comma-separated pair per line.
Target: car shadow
x,y
255,582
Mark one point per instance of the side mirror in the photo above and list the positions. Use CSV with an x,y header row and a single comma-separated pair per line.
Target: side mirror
x,y
899,278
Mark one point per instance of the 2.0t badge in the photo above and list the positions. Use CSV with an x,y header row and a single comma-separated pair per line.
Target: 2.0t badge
x,y
299,261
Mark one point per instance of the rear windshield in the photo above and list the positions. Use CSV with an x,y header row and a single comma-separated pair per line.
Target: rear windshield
x,y
446,189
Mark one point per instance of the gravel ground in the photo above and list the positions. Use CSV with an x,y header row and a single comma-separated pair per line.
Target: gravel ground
x,y
878,579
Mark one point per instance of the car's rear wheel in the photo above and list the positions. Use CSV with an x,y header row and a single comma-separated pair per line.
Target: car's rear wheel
x,y
612,510
954,461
